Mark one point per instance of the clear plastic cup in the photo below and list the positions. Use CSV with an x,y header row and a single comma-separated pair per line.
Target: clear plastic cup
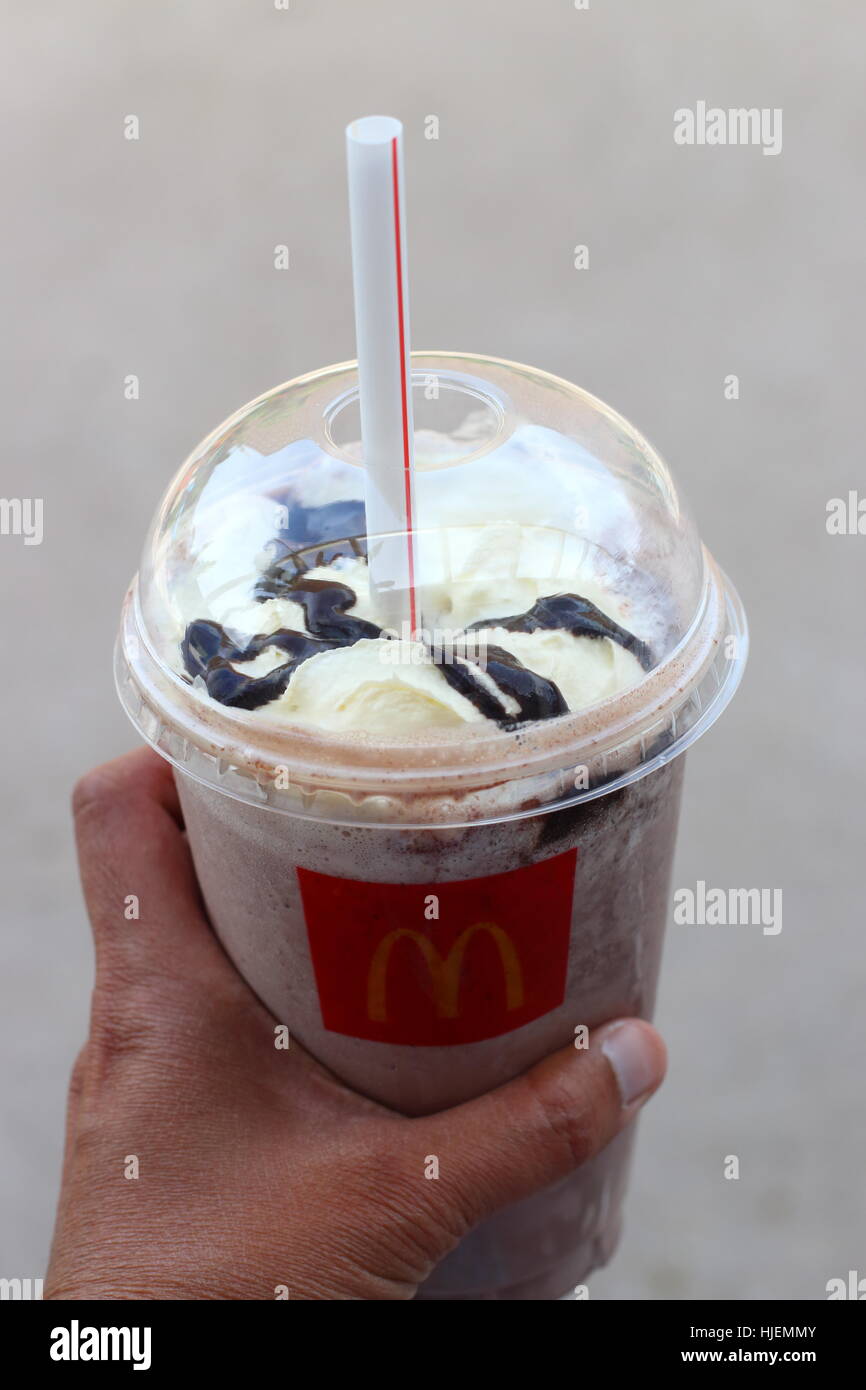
x,y
547,846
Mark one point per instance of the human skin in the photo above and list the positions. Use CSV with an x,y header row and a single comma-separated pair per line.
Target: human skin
x,y
259,1174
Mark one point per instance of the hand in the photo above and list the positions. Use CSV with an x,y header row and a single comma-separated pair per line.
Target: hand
x,y
257,1168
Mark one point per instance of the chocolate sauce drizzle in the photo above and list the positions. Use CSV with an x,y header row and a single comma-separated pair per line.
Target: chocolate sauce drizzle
x,y
570,613
537,698
325,602
208,650
211,653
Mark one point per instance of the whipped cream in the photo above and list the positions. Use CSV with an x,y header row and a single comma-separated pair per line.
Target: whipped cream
x,y
392,685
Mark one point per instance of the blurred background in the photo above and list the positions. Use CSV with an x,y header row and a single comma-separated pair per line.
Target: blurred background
x,y
155,257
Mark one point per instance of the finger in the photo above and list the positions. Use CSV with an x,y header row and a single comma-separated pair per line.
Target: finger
x,y
142,770
136,869
535,1130
73,1106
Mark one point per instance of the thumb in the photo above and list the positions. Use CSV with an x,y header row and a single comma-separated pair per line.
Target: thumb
x,y
537,1128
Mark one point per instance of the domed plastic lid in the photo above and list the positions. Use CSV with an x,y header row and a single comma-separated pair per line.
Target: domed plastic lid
x,y
526,487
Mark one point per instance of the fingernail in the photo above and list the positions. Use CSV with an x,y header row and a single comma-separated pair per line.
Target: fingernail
x,y
634,1055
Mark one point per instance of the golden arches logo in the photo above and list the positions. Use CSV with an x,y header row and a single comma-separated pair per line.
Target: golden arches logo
x,y
444,971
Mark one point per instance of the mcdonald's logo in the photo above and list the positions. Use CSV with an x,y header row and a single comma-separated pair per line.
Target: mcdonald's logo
x,y
495,958
444,971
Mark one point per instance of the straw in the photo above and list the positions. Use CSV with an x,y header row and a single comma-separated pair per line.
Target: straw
x,y
374,148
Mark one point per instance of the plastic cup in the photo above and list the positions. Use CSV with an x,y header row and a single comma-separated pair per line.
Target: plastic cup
x,y
430,914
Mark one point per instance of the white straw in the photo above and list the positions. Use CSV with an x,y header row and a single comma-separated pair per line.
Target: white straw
x,y
374,148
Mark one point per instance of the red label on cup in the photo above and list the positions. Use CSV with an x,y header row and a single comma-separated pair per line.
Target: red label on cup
x,y
433,964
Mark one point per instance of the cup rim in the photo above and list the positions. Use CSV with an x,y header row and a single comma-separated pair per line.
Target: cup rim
x,y
620,739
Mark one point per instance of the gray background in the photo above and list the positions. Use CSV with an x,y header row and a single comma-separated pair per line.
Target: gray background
x,y
156,258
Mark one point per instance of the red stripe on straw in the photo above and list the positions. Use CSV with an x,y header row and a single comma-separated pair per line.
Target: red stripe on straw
x,y
407,466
